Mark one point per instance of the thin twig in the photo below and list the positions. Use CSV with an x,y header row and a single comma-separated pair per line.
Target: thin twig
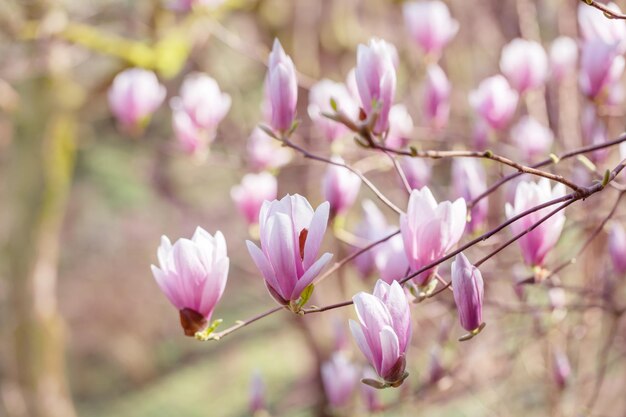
x,y
610,14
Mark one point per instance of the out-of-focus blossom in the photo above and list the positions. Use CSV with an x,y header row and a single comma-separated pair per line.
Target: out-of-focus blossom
x,y
561,369
340,187
617,247
601,67
373,226
320,97
480,135
197,112
339,377
430,25
533,139
282,88
563,57
469,181
417,171
340,337
429,230
257,401
525,64
188,5
192,274
291,236
495,101
436,371
266,153
595,26
436,101
400,127
352,86
467,283
370,394
252,192
594,132
376,79
383,332
134,95
536,244
391,260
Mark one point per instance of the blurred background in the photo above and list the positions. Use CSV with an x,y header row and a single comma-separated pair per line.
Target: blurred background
x,y
84,329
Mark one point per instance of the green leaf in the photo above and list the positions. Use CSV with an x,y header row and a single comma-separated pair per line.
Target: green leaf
x,y
306,295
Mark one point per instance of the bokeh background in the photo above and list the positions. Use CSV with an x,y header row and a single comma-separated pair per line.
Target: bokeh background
x,y
84,329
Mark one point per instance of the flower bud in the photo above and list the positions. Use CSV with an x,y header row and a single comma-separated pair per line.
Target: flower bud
x,y
595,26
373,226
436,101
525,64
339,378
617,247
282,88
563,57
533,139
430,25
340,187
265,152
252,192
391,261
320,97
469,181
467,283
494,101
601,68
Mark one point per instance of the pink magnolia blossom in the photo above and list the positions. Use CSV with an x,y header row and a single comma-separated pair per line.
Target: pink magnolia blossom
x,y
340,188
563,57
601,67
252,192
339,377
192,274
400,127
531,138
595,26
430,25
436,101
480,135
417,171
594,131
383,332
391,260
291,235
617,247
320,97
265,152
134,95
536,244
430,229
372,227
495,101
469,181
376,79
467,283
282,88
525,64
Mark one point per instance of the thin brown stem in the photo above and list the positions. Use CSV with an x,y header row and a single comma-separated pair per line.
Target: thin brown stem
x,y
610,14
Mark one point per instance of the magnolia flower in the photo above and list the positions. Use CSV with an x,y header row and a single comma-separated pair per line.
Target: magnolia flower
x,y
134,95
265,152
595,26
339,378
320,97
417,171
376,80
536,244
495,101
563,57
429,230
533,139
372,227
436,101
467,283
617,247
252,192
400,127
391,261
192,274
282,88
383,332
601,67
525,64
469,181
291,236
340,187
430,25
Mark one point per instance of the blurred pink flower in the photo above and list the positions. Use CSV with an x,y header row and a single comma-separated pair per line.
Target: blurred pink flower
x,y
257,401
319,102
400,127
265,152
252,192
373,226
430,229
391,261
561,369
601,68
417,171
532,139
469,181
536,244
282,88
430,25
436,101
192,274
525,64
617,247
467,284
376,79
339,377
384,329
291,236
595,26
594,132
340,188
134,95
563,57
495,101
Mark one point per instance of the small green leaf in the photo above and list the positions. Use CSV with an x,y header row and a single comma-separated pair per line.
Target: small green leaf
x,y
207,334
306,295
333,104
374,383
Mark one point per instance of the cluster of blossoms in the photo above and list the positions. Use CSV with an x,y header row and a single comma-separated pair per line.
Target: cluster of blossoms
x,y
193,273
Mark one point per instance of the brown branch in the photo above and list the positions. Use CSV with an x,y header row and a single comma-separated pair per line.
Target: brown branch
x,y
610,14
